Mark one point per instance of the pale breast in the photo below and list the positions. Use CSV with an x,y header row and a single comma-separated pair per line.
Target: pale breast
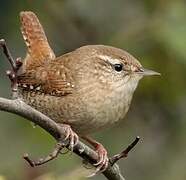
x,y
86,112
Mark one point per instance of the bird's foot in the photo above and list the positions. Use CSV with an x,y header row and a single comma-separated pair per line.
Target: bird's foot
x,y
103,160
71,136
102,163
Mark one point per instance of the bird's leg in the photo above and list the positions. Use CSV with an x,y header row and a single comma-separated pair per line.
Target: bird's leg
x,y
102,162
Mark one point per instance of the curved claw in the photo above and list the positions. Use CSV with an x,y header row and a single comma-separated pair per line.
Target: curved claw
x,y
72,136
101,168
102,155
102,164
103,161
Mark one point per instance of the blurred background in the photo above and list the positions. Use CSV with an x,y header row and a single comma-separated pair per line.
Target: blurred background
x,y
155,33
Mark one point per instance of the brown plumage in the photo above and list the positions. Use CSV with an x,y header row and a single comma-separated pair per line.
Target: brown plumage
x,y
36,41
89,89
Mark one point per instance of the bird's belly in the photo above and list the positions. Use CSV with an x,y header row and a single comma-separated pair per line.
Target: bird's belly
x,y
84,119
61,110
105,117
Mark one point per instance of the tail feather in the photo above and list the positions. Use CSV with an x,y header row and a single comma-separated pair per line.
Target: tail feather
x,y
39,50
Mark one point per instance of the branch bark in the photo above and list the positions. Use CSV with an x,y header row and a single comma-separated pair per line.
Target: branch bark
x,y
20,108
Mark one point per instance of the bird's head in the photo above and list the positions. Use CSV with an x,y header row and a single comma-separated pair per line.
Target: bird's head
x,y
113,67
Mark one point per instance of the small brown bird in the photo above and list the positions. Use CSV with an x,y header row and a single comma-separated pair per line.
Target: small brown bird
x,y
85,90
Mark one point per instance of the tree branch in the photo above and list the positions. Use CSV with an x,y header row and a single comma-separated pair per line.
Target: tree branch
x,y
20,108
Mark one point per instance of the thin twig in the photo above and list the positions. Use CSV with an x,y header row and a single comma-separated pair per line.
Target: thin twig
x,y
15,64
50,157
8,54
124,153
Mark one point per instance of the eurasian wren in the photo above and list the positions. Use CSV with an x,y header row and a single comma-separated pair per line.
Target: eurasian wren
x,y
89,89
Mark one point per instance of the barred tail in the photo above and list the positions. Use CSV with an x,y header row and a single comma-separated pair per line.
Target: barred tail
x,y
39,50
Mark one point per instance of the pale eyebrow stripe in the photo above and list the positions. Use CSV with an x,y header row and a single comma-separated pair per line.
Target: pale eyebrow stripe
x,y
109,59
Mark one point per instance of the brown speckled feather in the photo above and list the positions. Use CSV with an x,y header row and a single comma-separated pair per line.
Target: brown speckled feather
x,y
39,50
53,81
38,76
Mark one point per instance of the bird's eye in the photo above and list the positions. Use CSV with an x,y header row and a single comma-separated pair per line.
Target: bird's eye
x,y
118,67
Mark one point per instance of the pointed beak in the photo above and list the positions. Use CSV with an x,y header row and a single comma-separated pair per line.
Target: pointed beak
x,y
148,72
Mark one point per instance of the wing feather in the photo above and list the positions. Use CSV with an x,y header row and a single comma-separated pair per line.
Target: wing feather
x,y
53,81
